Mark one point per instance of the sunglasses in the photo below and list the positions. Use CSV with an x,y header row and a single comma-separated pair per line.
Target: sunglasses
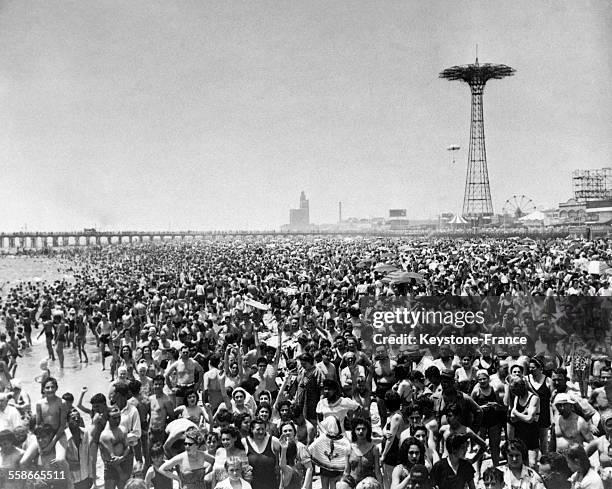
x,y
189,443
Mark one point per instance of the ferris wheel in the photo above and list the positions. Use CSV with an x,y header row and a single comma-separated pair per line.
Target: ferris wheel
x,y
518,206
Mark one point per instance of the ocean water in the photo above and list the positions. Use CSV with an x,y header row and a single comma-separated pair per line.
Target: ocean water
x,y
15,270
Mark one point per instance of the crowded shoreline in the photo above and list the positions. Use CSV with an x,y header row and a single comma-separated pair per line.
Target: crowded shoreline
x,y
256,362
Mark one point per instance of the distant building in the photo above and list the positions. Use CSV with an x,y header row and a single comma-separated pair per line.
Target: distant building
x,y
599,212
397,219
299,219
572,212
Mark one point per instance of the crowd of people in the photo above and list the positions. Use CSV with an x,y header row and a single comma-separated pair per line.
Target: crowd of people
x,y
256,363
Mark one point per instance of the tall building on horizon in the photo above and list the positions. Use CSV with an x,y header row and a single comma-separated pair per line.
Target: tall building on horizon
x,y
299,219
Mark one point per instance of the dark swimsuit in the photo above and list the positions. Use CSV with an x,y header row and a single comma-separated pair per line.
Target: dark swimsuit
x,y
526,431
265,475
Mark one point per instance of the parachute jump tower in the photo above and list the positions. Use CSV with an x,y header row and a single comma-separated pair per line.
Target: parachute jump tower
x,y
477,205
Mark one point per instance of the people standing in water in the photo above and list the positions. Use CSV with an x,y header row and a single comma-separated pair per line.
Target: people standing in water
x,y
48,329
60,337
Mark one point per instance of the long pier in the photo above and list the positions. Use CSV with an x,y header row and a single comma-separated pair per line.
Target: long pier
x,y
41,239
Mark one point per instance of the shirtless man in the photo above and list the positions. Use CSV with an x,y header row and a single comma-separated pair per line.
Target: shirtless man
x,y
80,336
52,410
115,452
49,331
161,411
61,337
186,369
384,378
103,330
499,379
569,427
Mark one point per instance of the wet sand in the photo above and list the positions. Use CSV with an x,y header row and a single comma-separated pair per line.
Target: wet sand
x,y
74,375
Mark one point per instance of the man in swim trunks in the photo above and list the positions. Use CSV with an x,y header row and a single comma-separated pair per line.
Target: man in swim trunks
x,y
103,330
49,331
188,372
115,452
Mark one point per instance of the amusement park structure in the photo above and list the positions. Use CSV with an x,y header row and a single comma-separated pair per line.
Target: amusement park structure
x,y
593,184
477,204
518,206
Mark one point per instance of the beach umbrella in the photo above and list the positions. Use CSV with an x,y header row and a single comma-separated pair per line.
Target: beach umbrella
x,y
405,277
385,268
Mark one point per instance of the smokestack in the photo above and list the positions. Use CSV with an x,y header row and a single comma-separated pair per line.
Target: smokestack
x,y
339,212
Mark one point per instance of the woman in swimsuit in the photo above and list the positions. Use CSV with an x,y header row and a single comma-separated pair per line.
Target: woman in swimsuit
x,y
263,451
126,360
542,386
191,410
364,458
213,379
191,465
231,447
411,453
152,365
233,373
465,376
264,412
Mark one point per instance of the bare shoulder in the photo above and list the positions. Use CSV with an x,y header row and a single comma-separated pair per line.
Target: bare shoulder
x,y
106,435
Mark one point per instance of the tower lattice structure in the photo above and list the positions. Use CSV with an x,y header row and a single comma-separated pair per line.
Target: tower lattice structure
x,y
477,203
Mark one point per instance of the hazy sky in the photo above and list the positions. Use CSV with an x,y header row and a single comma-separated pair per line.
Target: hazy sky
x,y
201,114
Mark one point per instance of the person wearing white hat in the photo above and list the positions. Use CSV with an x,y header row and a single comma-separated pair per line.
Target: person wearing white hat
x,y
569,427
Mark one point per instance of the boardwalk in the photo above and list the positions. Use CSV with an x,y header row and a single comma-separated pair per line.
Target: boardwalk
x,y
53,239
